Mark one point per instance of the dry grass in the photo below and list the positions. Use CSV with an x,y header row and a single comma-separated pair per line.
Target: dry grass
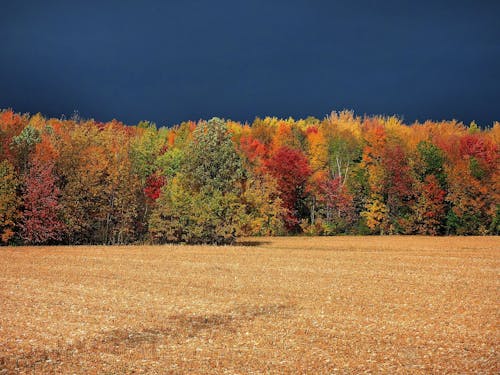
x,y
271,305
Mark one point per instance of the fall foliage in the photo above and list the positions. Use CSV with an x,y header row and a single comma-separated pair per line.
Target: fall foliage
x,y
77,181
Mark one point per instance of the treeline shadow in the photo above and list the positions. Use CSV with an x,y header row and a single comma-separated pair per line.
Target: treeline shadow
x,y
252,243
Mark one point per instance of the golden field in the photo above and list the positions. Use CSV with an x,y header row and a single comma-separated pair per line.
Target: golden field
x,y
269,305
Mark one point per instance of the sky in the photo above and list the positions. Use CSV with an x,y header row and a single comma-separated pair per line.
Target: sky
x,y
172,61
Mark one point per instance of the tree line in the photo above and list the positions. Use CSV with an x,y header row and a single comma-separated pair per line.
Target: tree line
x,y
77,181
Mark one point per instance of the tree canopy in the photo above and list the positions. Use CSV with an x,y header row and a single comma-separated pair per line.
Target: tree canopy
x,y
77,181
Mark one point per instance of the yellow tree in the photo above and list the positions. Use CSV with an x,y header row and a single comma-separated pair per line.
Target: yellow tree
x,y
262,205
377,214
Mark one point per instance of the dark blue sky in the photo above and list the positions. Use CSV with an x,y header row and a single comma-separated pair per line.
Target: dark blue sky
x,y
169,61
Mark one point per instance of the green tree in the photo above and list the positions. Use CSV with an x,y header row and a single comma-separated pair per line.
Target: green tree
x,y
431,162
211,159
24,144
201,204
145,148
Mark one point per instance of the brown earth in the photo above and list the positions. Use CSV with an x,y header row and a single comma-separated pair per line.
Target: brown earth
x,y
269,305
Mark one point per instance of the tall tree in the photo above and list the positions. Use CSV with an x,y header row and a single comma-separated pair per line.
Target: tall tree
x,y
291,170
429,208
40,218
9,201
201,204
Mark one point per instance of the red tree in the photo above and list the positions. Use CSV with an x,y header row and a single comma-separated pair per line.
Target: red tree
x,y
337,200
429,209
40,222
398,182
477,146
291,170
154,183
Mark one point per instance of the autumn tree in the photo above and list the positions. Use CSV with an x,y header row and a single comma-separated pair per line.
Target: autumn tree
x,y
100,191
9,201
337,206
291,170
376,212
429,208
11,125
40,218
208,182
262,206
473,191
397,187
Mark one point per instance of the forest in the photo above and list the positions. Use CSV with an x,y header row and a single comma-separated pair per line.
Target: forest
x,y
80,181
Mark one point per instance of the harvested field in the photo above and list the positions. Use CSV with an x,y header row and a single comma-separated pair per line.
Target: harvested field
x,y
269,305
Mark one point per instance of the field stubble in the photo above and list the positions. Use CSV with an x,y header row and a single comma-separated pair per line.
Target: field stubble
x,y
279,305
